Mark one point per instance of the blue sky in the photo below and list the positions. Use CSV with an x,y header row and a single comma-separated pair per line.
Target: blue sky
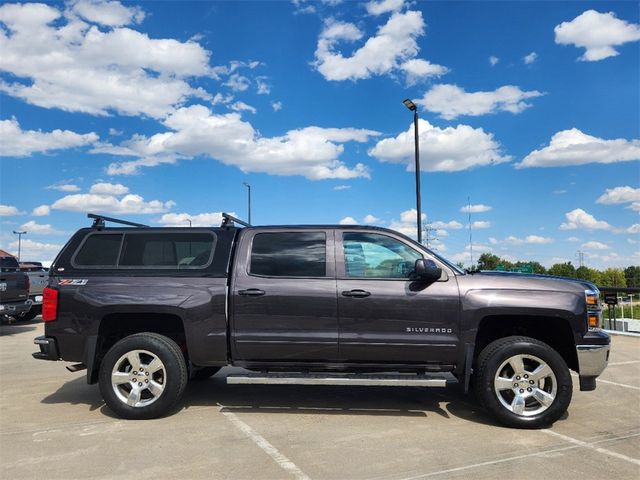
x,y
159,111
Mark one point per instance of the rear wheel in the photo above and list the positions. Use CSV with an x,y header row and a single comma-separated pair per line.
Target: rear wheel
x,y
523,382
142,376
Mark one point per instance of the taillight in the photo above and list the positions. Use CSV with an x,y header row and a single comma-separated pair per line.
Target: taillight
x,y
49,304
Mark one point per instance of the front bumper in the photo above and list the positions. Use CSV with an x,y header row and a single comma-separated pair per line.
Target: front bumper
x,y
48,348
593,357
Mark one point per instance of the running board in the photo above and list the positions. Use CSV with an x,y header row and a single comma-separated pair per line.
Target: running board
x,y
355,380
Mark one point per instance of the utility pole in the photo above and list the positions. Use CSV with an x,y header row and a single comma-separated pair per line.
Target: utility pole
x,y
429,235
416,136
470,234
19,241
580,255
248,201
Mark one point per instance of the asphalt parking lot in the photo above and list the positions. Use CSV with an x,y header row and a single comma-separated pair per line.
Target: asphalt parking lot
x,y
54,425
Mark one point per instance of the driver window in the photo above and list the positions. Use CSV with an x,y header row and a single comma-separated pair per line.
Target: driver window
x,y
372,255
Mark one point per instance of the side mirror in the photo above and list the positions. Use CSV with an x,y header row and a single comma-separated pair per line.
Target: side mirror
x,y
427,270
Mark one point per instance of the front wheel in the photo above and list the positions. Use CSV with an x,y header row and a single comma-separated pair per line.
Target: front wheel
x,y
142,376
523,382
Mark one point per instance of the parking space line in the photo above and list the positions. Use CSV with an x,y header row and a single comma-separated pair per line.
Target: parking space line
x,y
284,463
574,446
619,384
630,362
604,451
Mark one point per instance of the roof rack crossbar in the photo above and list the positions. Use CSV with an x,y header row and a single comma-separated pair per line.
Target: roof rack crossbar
x,y
229,220
99,221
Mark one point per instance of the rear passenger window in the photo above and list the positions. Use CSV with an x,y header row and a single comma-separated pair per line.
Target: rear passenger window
x,y
99,250
167,250
290,254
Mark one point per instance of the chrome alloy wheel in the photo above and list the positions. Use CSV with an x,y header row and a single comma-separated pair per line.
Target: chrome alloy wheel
x,y
138,378
525,385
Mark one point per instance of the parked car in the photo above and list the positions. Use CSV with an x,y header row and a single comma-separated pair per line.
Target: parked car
x,y
14,290
143,309
38,279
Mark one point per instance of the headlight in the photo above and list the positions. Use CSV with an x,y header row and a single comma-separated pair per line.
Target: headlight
x,y
594,312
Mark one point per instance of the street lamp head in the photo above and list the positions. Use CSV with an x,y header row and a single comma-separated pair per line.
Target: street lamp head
x,y
19,233
409,104
246,184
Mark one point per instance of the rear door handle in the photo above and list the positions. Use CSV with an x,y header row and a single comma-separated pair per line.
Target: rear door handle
x,y
356,293
251,292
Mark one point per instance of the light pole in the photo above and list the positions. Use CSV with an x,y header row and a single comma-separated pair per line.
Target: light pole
x,y
189,220
249,201
19,241
412,106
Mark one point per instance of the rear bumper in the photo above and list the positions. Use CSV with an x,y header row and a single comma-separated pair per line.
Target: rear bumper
x,y
15,309
48,349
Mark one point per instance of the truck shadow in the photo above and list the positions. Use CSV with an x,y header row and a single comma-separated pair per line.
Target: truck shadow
x,y
449,402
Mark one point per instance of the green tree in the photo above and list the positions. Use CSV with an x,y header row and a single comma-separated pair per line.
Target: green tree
x,y
632,276
589,274
488,261
563,270
613,277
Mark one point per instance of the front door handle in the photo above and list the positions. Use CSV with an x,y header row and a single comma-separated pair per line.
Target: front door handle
x,y
356,293
251,292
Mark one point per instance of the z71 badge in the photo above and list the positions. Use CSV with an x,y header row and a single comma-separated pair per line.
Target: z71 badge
x,y
73,281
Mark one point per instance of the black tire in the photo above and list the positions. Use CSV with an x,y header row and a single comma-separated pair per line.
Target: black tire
x,y
158,390
540,401
203,373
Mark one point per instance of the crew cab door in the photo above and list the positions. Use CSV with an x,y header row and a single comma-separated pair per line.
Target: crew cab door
x,y
385,316
283,299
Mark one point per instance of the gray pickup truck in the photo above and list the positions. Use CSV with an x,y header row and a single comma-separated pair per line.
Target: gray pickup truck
x,y
143,309
14,291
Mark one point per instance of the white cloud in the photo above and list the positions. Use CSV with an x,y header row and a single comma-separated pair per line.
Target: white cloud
x,y
618,195
383,6
449,149
115,132
478,208
277,106
198,220
312,151
130,203
388,51
108,13
417,69
38,228
634,229
578,218
342,187
74,65
451,225
480,224
631,241
635,206
598,33
262,87
15,142
219,98
451,101
36,251
442,233
465,256
348,221
237,82
595,246
572,147
529,239
407,224
573,239
493,60
41,211
243,107
104,188
370,219
530,58
9,211
64,187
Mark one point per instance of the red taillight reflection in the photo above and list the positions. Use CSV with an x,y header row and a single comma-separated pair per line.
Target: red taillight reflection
x,y
49,304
